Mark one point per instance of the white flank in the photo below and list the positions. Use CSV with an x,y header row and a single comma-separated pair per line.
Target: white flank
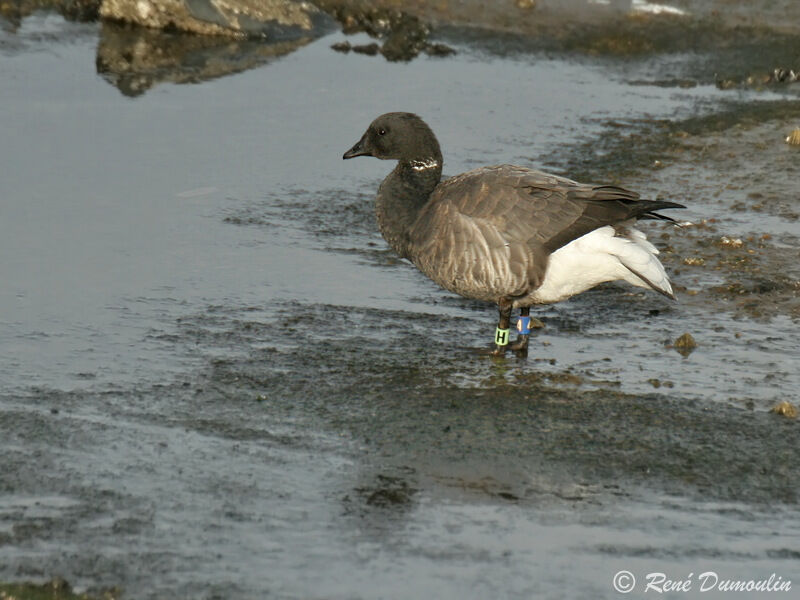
x,y
601,256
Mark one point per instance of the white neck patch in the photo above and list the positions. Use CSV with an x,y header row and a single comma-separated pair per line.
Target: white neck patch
x,y
421,165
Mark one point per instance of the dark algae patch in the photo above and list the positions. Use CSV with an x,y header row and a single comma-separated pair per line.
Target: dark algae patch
x,y
56,589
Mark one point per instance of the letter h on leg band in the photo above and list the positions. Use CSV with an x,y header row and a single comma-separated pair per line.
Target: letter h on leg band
x,y
501,337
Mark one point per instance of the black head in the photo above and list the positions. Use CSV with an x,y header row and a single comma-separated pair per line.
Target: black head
x,y
399,136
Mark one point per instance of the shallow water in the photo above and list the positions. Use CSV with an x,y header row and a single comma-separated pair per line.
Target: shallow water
x,y
217,382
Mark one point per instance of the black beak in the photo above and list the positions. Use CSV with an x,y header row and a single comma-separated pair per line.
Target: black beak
x,y
357,150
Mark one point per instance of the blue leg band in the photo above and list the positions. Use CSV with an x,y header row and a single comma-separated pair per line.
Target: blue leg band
x,y
524,325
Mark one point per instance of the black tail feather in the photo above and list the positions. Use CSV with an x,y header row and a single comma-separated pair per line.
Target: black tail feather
x,y
655,216
646,209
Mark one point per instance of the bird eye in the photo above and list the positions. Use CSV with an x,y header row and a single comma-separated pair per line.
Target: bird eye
x,y
381,132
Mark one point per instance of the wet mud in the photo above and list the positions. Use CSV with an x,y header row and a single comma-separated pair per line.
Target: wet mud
x,y
423,423
261,400
569,428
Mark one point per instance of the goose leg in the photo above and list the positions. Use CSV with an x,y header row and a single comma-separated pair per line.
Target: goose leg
x,y
501,334
524,329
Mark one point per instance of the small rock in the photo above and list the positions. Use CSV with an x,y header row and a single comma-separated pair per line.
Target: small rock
x,y
406,40
60,586
784,75
342,47
731,242
368,49
526,4
694,261
685,344
785,409
438,50
793,139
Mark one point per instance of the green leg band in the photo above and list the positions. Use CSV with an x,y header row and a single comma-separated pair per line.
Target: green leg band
x,y
501,337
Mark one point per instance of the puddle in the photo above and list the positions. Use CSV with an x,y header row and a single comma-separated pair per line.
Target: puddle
x,y
217,381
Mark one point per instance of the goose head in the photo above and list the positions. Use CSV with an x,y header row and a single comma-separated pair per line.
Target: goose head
x,y
398,136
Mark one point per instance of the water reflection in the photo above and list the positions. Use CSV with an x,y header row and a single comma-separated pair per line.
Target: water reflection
x,y
13,12
134,59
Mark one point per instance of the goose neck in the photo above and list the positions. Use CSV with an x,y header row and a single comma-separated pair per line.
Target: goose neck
x,y
401,197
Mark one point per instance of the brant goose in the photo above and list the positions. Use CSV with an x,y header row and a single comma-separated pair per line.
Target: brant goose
x,y
506,234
